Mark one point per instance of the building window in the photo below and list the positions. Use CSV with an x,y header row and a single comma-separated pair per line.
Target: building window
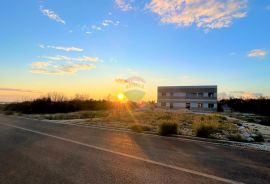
x,y
171,105
171,93
210,95
163,94
211,106
187,105
200,94
200,105
163,104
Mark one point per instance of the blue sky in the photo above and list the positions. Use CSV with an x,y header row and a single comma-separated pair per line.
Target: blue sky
x,y
82,46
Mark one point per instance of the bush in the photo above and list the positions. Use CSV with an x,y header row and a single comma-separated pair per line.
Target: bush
x,y
236,137
49,106
167,128
265,122
8,113
258,138
139,128
204,129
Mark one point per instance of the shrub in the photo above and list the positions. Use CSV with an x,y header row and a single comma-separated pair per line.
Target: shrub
x,y
167,128
204,129
236,137
258,138
139,128
265,122
49,106
8,113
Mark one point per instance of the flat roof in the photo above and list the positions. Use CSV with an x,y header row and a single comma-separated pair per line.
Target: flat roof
x,y
201,86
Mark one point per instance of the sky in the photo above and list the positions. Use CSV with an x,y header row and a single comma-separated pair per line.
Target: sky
x,y
85,47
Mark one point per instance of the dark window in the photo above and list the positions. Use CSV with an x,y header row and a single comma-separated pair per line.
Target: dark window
x,y
171,94
171,105
210,95
200,105
210,106
187,105
163,94
163,104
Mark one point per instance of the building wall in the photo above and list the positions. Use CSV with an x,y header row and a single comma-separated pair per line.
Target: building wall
x,y
197,98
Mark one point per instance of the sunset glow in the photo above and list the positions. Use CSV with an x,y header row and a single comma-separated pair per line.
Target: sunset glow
x,y
95,47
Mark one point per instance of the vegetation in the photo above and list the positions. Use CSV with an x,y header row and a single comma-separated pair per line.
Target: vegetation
x,y
258,138
78,115
126,115
257,106
167,127
139,128
236,137
212,124
55,103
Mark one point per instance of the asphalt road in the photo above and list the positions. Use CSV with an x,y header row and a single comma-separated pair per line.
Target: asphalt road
x,y
34,152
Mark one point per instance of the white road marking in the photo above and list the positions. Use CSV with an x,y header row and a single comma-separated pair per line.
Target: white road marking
x,y
127,155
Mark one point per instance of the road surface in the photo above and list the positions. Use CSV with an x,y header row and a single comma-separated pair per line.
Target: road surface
x,y
34,152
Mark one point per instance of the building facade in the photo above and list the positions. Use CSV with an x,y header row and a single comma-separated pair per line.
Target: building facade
x,y
195,98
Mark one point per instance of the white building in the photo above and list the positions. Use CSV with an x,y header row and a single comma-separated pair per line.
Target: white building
x,y
195,98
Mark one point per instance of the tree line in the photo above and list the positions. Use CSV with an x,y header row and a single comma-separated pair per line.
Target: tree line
x,y
259,106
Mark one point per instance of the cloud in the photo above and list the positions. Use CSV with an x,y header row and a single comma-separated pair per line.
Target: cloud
x,y
19,90
206,14
257,53
52,15
239,94
39,64
268,7
55,69
67,49
66,58
124,5
110,22
97,28
60,65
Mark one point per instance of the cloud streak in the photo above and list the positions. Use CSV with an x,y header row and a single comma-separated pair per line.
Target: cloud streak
x,y
257,53
59,69
52,15
67,49
124,5
206,14
66,58
19,90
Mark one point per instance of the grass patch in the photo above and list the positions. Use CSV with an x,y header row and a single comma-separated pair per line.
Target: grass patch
x,y
236,137
139,128
167,127
77,115
212,124
205,129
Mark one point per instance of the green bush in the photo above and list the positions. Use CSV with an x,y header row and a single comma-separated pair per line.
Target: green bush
x,y
139,128
204,129
236,137
167,127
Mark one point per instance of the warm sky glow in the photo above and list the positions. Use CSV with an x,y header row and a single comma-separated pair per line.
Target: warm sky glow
x,y
81,47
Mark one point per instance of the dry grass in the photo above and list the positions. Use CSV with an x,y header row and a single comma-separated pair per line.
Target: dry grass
x,y
187,123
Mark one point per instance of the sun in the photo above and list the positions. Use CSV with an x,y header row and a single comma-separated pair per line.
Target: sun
x,y
120,96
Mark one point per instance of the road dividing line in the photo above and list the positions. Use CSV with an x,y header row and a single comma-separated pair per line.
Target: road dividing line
x,y
127,155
